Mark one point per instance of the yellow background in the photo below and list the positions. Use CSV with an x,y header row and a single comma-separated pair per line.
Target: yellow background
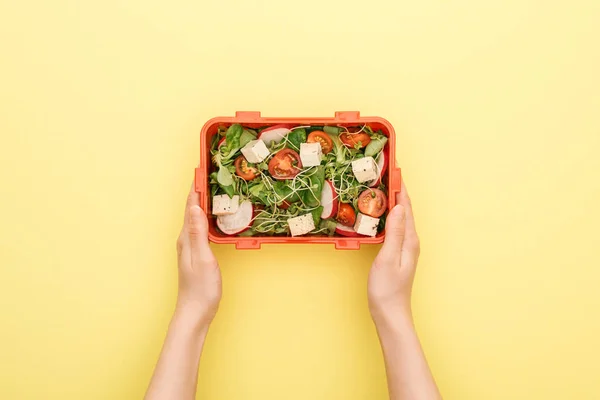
x,y
496,105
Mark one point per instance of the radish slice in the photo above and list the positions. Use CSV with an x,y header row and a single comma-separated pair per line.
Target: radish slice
x,y
274,134
382,164
221,143
329,201
345,230
233,224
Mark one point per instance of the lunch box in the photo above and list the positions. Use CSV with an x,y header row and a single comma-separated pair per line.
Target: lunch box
x,y
254,120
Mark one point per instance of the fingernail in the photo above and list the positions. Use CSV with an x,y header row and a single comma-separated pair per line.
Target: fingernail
x,y
195,214
398,211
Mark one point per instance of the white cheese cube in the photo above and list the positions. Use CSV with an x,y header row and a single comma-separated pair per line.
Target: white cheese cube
x,y
311,154
255,151
223,205
364,169
366,225
301,225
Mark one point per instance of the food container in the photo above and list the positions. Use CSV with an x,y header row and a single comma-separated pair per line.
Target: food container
x,y
254,120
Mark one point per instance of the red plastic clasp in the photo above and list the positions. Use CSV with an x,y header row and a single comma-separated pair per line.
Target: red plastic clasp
x,y
347,115
248,115
396,186
199,185
347,244
247,244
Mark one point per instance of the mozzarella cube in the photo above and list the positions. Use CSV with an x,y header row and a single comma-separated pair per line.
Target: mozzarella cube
x,y
311,154
301,225
366,225
365,169
224,205
255,151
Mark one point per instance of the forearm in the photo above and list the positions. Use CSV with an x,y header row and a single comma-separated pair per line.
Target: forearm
x,y
408,375
176,373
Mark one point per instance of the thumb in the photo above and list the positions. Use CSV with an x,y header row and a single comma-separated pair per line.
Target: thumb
x,y
198,231
395,227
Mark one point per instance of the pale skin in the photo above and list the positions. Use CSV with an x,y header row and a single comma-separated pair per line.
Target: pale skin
x,y
389,292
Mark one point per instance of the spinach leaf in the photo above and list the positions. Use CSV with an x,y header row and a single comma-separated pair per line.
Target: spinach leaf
x,y
232,137
224,176
332,130
312,197
314,128
246,137
284,190
296,137
259,192
229,190
316,214
215,185
328,225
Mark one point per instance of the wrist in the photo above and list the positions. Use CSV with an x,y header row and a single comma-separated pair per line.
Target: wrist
x,y
191,319
392,317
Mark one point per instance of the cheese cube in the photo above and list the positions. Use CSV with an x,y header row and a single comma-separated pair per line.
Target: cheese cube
x,y
223,205
364,169
366,225
311,154
301,225
255,151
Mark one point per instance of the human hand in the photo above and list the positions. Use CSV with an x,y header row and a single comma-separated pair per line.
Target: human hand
x,y
199,273
393,271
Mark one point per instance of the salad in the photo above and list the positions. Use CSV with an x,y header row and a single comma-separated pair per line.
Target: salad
x,y
299,180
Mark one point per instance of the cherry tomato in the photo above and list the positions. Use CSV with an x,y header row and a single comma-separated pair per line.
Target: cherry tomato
x,y
284,205
352,139
372,202
285,164
346,215
323,138
244,170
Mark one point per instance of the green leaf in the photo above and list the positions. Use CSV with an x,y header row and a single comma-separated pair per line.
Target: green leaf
x,y
232,137
339,148
249,232
296,137
328,225
312,197
284,190
246,137
316,214
229,190
224,177
375,145
314,128
215,185
333,130
259,192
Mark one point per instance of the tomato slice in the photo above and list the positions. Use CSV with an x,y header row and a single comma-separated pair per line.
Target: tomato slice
x,y
346,215
354,139
372,202
244,170
322,138
284,205
285,164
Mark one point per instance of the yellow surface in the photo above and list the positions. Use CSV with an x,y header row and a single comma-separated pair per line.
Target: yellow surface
x,y
496,105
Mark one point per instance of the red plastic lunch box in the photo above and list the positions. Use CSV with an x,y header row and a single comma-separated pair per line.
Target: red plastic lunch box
x,y
254,120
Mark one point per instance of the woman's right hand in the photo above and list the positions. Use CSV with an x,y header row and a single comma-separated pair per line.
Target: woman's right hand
x,y
393,271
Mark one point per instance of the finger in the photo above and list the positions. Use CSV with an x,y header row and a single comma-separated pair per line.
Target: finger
x,y
193,199
404,199
395,226
198,234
